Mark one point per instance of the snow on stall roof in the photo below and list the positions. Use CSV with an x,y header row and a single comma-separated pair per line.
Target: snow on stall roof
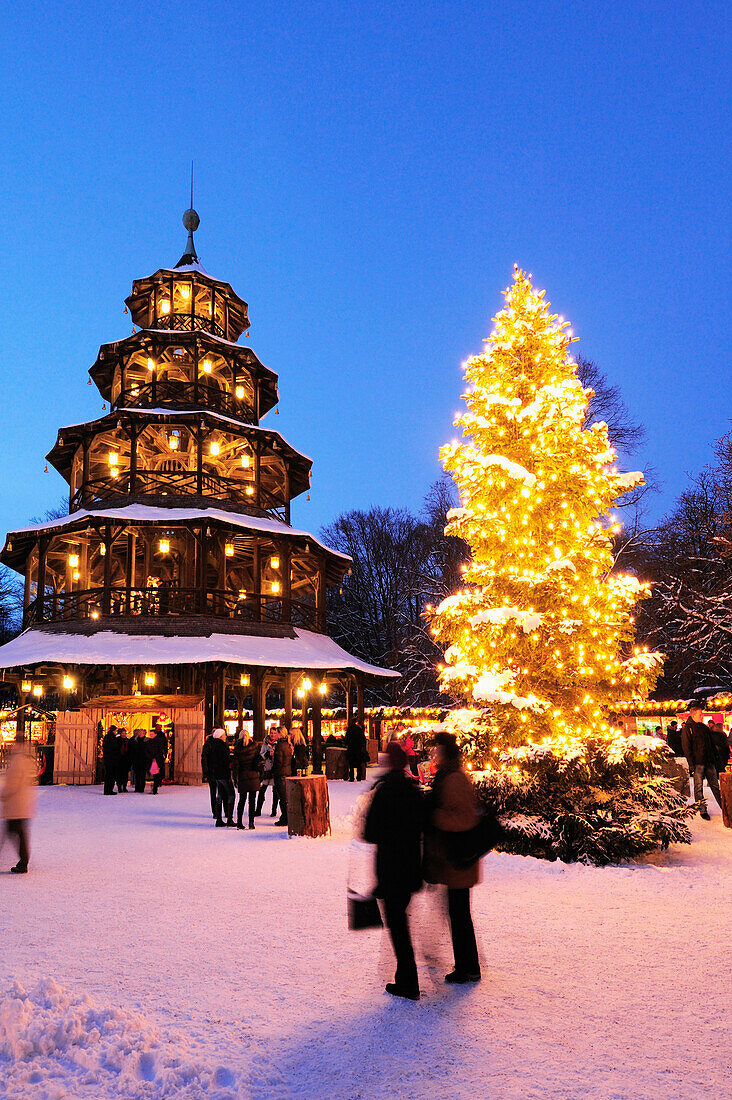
x,y
306,650
171,516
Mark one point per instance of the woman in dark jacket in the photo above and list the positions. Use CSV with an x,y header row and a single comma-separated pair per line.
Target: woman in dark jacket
x,y
157,752
300,752
139,756
453,808
246,771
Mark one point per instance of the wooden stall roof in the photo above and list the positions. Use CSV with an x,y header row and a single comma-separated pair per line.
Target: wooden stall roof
x,y
140,703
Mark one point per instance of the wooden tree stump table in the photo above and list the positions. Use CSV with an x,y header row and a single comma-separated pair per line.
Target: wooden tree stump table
x,y
725,787
335,762
308,806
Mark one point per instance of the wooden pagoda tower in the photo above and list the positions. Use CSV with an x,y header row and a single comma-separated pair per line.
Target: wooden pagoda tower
x,y
177,570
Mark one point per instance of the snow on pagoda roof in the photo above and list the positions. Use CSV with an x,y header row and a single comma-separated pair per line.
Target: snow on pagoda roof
x,y
145,513
304,650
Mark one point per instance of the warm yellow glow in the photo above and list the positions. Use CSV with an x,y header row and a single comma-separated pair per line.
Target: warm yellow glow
x,y
102,549
68,683
274,562
151,364
307,684
229,549
73,560
245,461
112,458
95,614
206,366
38,691
242,593
300,693
26,686
244,679
215,448
250,490
275,586
149,679
239,392
185,291
173,442
164,546
323,688
75,575
165,306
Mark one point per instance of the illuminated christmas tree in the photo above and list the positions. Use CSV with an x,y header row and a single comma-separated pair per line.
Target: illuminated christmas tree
x,y
540,639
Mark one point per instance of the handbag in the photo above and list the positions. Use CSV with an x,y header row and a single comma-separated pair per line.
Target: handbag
x,y
363,912
466,848
154,769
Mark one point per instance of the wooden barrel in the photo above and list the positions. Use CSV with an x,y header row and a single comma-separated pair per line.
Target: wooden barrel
x,y
335,762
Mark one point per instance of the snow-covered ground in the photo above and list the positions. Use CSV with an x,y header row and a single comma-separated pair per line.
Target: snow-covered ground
x,y
148,954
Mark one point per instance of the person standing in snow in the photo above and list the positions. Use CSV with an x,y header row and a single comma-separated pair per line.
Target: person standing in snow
x,y
410,749
157,754
673,738
452,807
220,767
110,759
267,754
18,797
356,751
699,752
206,771
394,825
139,761
281,769
123,762
299,750
246,769
720,746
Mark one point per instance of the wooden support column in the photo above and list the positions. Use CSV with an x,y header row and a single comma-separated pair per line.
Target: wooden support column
x,y
221,697
208,701
41,583
288,699
259,701
255,382
85,471
199,460
360,708
106,596
129,571
349,700
132,433
195,374
202,568
257,473
286,490
257,581
285,571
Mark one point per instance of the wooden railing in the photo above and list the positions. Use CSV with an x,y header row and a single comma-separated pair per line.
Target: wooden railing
x,y
184,322
175,393
160,601
176,483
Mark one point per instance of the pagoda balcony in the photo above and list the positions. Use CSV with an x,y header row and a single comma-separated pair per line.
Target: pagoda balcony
x,y
162,601
184,322
176,394
228,492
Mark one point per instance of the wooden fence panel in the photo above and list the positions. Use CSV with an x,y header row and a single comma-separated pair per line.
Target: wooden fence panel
x,y
188,745
76,747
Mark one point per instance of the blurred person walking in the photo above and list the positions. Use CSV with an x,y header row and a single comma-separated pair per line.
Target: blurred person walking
x,y
18,797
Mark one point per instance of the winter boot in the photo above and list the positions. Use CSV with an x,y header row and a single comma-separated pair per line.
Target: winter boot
x,y
397,991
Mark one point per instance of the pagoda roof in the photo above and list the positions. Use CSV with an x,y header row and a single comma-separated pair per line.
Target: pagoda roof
x,y
102,370
300,649
138,299
62,453
23,539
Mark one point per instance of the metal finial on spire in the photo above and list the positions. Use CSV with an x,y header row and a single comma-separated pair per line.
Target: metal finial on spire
x,y
191,222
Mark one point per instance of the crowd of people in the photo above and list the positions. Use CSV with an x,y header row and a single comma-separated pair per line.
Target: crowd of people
x,y
132,757
238,778
706,749
418,839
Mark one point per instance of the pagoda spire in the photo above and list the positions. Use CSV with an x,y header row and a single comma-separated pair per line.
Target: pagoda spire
x,y
191,222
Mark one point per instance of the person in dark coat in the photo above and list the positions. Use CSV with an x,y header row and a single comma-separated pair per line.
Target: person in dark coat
x,y
673,738
219,762
157,754
247,773
394,825
110,758
720,746
206,771
699,752
266,751
300,753
281,769
452,807
356,751
140,761
123,765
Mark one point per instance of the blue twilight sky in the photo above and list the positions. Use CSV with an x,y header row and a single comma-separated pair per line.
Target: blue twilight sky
x,y
367,174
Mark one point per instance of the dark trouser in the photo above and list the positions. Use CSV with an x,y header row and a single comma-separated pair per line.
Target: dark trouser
x,y
140,779
224,799
122,777
356,769
19,829
157,780
281,789
243,796
108,779
463,934
395,912
212,792
414,765
262,792
712,777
